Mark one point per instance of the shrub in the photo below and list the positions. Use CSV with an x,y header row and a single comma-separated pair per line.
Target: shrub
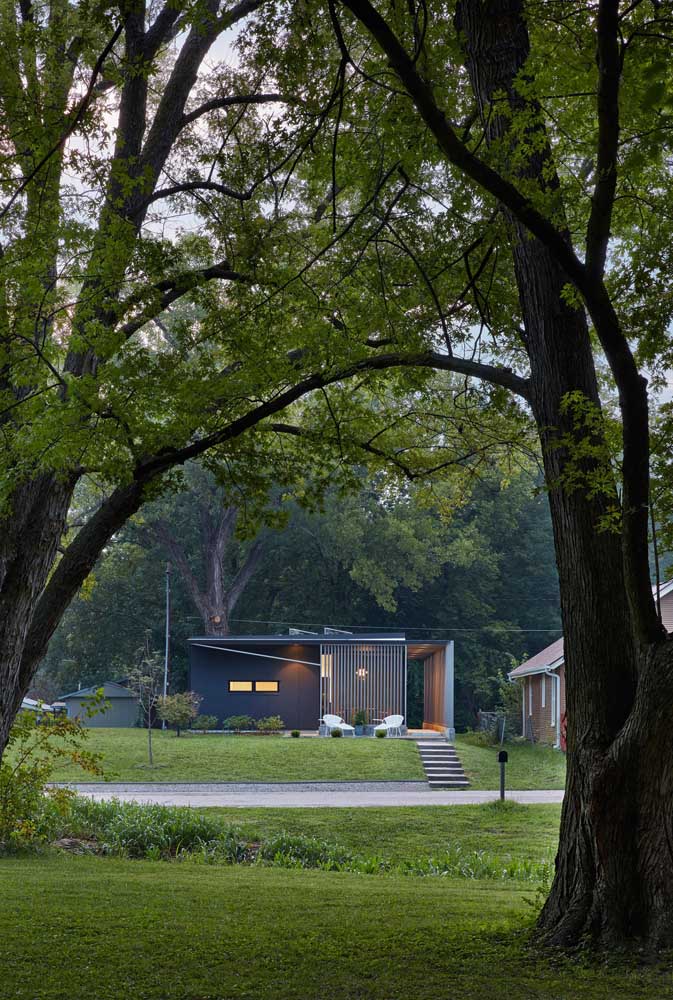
x,y
205,722
271,724
29,813
381,734
179,709
296,851
360,718
295,734
336,733
238,723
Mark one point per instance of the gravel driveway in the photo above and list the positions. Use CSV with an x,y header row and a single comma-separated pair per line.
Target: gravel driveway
x,y
332,794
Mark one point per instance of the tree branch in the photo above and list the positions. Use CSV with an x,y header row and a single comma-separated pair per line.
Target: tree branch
x,y
244,574
162,30
186,186
218,103
609,75
169,457
457,152
161,530
168,119
173,289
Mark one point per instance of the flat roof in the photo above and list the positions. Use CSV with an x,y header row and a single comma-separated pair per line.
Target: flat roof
x,y
416,648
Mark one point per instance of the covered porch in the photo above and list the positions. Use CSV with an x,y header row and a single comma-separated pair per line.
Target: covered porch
x,y
364,682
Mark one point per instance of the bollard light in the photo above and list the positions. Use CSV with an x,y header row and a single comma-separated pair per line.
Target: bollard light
x,y
502,760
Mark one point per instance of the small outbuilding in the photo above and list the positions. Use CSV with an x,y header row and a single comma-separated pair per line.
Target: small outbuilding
x,y
122,710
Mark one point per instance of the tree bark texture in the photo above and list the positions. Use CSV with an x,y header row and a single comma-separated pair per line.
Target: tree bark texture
x,y
28,544
614,877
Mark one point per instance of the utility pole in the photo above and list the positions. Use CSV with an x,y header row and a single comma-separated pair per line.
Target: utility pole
x,y
168,632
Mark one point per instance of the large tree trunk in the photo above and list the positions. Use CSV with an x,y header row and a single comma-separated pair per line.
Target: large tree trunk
x,y
29,538
614,878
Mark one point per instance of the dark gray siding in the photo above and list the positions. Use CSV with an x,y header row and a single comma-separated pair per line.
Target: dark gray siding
x,y
298,698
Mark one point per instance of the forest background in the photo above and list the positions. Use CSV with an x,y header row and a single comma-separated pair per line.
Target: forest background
x,y
483,575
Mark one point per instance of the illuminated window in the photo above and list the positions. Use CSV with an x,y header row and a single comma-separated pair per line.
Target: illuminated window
x,y
240,685
269,687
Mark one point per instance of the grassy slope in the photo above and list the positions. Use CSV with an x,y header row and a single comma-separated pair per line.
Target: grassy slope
x,y
271,758
248,758
144,930
528,766
514,831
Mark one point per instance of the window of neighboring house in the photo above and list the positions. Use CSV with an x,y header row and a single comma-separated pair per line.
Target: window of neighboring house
x,y
553,701
240,685
544,690
530,695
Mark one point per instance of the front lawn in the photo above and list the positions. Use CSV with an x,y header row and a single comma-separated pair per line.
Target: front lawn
x,y
248,758
74,928
273,758
529,766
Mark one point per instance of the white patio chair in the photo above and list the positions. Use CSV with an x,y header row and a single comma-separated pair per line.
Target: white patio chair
x,y
391,725
331,722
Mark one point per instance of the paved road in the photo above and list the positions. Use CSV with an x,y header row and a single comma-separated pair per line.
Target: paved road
x,y
334,794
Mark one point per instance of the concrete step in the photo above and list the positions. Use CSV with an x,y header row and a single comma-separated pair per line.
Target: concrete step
x,y
441,764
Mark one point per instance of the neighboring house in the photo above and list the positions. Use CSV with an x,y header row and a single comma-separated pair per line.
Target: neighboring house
x,y
122,710
303,676
543,691
543,694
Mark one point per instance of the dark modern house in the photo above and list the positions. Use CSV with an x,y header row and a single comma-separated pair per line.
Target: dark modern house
x,y
303,676
122,707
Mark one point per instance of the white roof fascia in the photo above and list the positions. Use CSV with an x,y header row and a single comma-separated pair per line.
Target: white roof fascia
x,y
541,668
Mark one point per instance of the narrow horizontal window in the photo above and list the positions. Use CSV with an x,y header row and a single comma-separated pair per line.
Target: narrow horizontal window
x,y
240,685
269,687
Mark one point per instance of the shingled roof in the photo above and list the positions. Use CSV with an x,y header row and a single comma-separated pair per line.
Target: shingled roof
x,y
541,661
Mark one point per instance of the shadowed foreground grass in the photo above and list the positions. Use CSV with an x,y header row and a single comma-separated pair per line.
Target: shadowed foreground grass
x,y
74,928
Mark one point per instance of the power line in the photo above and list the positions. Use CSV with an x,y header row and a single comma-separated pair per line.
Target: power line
x,y
407,628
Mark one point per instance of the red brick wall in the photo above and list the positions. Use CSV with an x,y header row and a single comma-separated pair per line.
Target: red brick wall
x,y
537,709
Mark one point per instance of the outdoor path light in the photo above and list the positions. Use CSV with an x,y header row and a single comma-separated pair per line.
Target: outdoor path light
x,y
502,760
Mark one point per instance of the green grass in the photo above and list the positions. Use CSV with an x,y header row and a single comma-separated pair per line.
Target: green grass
x,y
273,758
407,833
247,758
529,767
75,928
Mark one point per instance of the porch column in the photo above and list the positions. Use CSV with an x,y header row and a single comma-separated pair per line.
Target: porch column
x,y
448,692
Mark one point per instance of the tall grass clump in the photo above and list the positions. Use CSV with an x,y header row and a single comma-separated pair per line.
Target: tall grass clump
x,y
133,830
